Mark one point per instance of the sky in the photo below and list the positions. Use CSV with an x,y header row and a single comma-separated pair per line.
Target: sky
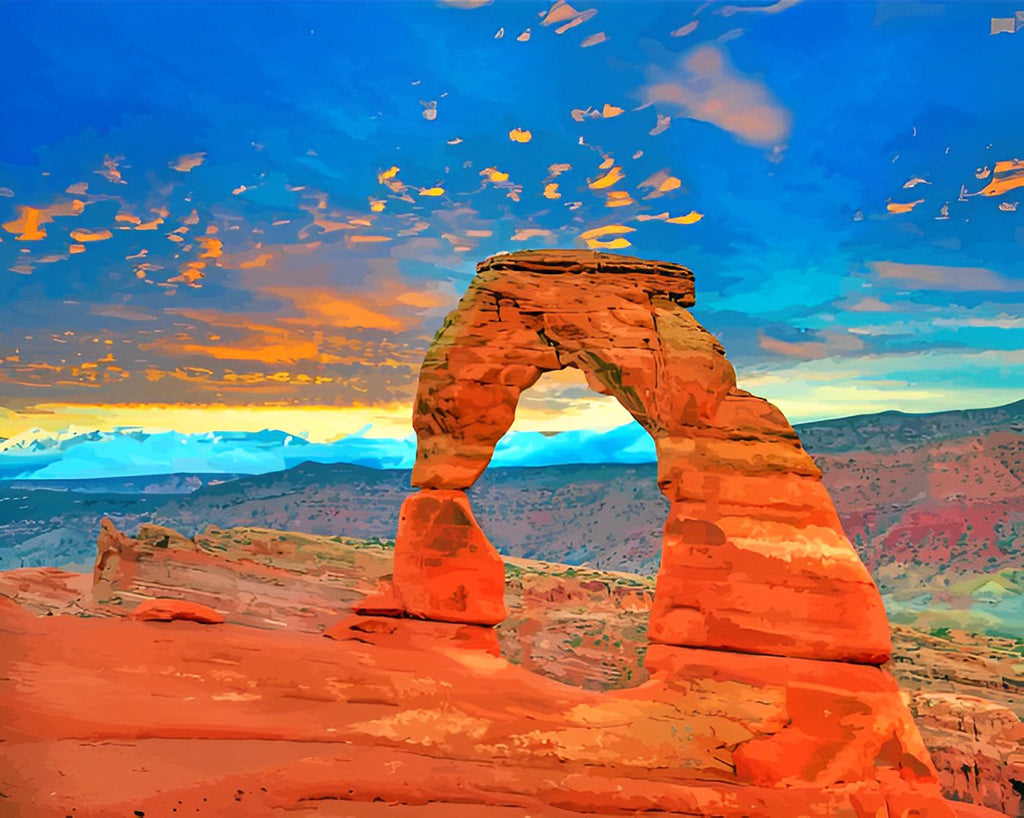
x,y
242,215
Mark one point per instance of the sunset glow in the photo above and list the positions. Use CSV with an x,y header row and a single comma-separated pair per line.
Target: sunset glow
x,y
198,229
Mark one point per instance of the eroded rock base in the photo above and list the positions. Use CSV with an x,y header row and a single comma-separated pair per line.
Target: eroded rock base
x,y
230,720
445,567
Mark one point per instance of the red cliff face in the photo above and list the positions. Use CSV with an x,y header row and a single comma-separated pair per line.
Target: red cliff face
x,y
753,559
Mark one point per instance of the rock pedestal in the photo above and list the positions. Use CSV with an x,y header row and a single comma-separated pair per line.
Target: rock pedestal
x,y
445,568
754,558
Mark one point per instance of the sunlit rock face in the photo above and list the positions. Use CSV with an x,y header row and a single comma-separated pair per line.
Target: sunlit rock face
x,y
447,567
754,558
111,678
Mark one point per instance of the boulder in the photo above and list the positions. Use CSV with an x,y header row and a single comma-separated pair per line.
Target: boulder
x,y
167,610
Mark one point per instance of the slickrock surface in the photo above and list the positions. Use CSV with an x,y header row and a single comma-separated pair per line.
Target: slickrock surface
x,y
169,610
101,714
754,558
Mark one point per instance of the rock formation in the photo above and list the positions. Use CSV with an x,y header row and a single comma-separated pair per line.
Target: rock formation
x,y
762,609
169,610
754,558
101,713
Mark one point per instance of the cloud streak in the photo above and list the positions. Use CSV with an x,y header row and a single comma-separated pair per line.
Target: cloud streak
x,y
937,277
703,85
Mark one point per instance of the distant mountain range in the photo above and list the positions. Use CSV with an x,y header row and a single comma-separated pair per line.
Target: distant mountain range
x,y
133,452
934,504
896,431
125,452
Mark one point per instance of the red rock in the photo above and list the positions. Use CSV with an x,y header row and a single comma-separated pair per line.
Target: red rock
x,y
754,558
977,745
396,715
445,568
115,558
257,577
189,718
414,635
384,602
166,610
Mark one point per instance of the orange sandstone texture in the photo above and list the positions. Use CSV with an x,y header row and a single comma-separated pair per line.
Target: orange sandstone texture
x,y
754,558
107,715
169,610
445,568
103,714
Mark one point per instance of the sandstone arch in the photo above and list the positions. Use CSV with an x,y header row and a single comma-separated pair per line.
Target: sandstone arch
x,y
753,558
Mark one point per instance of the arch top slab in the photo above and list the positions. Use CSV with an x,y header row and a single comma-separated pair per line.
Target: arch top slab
x,y
637,274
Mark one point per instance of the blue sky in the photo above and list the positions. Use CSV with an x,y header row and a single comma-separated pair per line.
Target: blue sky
x,y
216,213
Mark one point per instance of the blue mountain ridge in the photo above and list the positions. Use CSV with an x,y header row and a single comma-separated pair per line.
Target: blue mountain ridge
x,y
133,452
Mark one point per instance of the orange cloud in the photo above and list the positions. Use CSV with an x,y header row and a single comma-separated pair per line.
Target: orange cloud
x,y
898,207
607,230
82,235
254,341
823,346
690,218
562,12
424,300
618,198
188,162
110,170
212,248
607,180
351,240
1006,176
262,260
613,244
322,307
268,345
190,274
559,13
660,183
705,86
29,224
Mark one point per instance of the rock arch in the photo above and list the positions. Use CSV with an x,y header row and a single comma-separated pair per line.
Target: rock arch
x,y
753,557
